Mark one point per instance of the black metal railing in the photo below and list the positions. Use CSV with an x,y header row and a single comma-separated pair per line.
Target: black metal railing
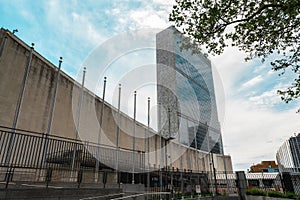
x,y
25,149
30,158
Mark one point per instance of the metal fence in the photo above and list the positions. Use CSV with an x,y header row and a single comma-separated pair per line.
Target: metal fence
x,y
28,158
291,181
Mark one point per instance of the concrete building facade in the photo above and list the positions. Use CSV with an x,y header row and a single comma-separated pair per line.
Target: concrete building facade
x,y
35,109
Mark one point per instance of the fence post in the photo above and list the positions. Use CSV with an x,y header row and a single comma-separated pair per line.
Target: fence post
x,y
48,176
241,184
79,176
9,176
104,178
287,182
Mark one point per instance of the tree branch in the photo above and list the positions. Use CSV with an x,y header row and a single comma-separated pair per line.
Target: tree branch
x,y
245,19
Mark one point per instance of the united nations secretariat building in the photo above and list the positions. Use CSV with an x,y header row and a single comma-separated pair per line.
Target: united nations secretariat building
x,y
46,133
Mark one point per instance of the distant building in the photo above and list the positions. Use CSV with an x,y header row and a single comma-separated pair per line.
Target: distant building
x,y
288,155
264,166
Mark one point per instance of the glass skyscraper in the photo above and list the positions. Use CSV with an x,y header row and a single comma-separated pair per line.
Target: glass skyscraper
x,y
185,94
288,155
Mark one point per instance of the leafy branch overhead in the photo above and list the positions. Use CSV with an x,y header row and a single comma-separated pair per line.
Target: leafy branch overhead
x,y
258,27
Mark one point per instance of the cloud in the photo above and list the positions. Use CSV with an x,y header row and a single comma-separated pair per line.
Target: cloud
x,y
74,22
252,82
148,14
259,69
146,19
268,98
246,131
230,65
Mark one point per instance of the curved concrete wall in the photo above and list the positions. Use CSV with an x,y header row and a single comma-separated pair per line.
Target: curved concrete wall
x,y
34,115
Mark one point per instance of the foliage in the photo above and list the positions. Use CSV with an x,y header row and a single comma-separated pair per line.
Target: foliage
x,y
291,195
258,27
276,194
256,192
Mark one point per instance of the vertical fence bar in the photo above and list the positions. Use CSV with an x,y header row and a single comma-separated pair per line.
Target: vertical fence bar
x,y
35,152
23,162
16,151
4,145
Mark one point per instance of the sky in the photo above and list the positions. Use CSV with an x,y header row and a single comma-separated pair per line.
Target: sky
x,y
254,121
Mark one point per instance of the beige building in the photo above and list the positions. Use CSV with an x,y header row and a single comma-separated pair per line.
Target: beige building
x,y
36,106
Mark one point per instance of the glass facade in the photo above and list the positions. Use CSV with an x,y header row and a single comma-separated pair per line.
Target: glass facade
x,y
288,155
186,94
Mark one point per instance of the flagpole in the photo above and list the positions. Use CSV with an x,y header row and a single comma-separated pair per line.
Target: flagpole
x,y
78,122
133,138
118,132
100,131
148,148
51,113
18,107
160,165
